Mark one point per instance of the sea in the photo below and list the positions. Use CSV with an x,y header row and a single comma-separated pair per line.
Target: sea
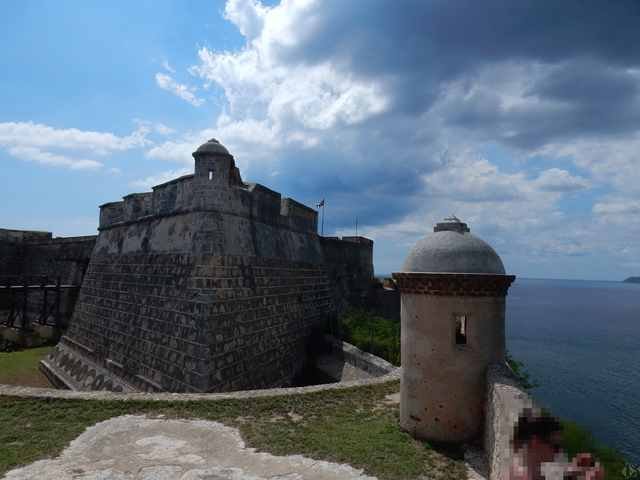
x,y
580,341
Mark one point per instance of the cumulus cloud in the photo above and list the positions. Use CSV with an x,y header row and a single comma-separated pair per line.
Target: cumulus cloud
x,y
186,93
46,158
557,180
168,67
389,114
58,147
618,208
36,135
247,15
475,180
162,177
148,127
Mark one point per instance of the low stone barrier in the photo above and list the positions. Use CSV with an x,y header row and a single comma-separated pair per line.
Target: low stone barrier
x,y
380,372
367,362
506,399
17,391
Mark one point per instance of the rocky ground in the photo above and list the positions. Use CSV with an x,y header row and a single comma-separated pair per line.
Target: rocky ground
x,y
135,447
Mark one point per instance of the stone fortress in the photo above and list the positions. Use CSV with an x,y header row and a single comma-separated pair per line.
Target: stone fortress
x,y
205,284
211,284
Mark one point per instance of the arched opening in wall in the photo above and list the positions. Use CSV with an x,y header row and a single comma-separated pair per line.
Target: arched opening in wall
x,y
210,175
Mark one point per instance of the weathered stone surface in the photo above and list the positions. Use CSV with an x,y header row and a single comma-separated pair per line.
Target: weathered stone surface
x,y
35,392
506,400
454,284
453,290
139,448
28,257
452,249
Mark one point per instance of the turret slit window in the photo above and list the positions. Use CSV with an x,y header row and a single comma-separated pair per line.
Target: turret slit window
x,y
461,329
210,174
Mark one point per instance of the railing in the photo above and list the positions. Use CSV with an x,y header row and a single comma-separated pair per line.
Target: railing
x,y
45,293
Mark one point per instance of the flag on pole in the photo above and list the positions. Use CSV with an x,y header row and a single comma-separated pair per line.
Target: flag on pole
x,y
321,204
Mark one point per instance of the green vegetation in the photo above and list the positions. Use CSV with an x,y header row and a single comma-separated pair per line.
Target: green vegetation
x,y
576,439
21,367
521,373
372,333
356,426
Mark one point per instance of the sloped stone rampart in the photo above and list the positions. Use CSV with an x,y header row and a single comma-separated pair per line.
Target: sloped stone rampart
x,y
178,322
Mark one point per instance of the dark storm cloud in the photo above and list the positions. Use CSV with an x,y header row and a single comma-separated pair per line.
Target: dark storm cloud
x,y
416,47
443,68
577,81
584,98
378,179
449,37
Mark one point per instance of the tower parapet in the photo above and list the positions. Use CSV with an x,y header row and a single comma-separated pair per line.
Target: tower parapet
x,y
215,186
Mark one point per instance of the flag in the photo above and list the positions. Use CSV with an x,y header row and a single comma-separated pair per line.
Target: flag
x,y
321,204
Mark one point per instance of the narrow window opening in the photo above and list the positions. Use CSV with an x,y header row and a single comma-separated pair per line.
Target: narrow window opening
x,y
461,329
210,175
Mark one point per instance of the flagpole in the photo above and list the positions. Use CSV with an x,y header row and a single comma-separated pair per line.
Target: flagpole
x,y
322,227
356,226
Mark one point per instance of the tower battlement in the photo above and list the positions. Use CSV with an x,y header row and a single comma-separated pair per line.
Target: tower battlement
x,y
215,186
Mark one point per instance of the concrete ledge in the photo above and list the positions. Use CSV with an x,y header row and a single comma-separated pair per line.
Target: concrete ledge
x,y
33,392
506,399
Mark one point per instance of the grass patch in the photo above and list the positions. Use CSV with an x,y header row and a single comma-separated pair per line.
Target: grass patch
x,y
353,426
21,367
372,333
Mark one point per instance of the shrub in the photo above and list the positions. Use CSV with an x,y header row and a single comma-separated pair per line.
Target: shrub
x,y
372,333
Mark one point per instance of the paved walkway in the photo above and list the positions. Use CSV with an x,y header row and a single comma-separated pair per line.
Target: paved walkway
x,y
139,448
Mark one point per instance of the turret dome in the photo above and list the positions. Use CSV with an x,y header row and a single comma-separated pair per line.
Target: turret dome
x,y
452,249
212,146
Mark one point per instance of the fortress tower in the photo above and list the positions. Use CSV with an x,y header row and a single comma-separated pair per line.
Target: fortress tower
x,y
206,284
453,287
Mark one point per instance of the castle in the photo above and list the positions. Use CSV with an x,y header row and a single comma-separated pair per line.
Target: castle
x,y
205,284
211,284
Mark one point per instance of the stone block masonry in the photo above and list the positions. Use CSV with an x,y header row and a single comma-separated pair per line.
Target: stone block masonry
x,y
170,322
28,257
205,284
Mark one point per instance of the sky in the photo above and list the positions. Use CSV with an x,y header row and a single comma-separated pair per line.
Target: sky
x,y
521,118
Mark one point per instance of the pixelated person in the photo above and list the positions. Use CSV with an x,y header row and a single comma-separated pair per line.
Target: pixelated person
x,y
537,454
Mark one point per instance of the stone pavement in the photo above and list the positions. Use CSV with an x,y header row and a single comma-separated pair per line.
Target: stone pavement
x,y
139,448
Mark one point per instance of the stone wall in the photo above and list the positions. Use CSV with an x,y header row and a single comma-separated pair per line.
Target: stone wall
x,y
384,300
31,255
205,284
349,263
12,249
506,400
28,257
168,322
63,257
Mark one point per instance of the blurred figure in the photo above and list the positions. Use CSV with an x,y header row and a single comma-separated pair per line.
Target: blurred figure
x,y
537,454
